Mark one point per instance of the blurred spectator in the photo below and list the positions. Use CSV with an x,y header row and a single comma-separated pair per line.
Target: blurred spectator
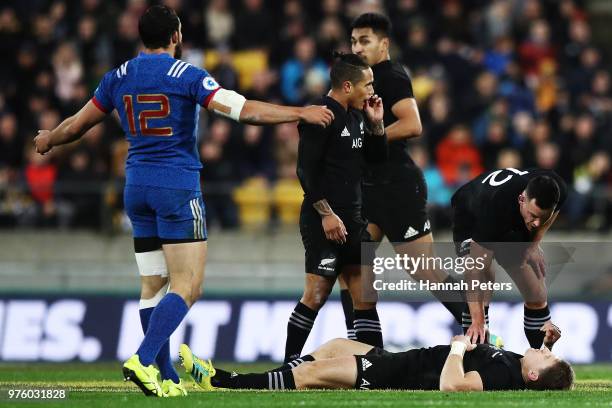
x,y
540,133
458,158
600,100
44,37
224,72
513,88
437,120
296,69
88,42
331,37
286,140
590,192
219,23
509,158
498,58
191,22
547,156
498,21
217,173
127,39
496,141
481,97
10,36
497,112
583,145
11,144
452,18
255,153
438,193
579,38
460,70
537,49
40,175
256,27
68,71
579,79
78,188
418,52
522,123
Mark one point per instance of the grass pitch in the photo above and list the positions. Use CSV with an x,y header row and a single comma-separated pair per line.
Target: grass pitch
x,y
101,385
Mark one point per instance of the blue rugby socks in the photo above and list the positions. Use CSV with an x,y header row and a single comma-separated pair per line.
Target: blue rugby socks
x,y
164,319
163,360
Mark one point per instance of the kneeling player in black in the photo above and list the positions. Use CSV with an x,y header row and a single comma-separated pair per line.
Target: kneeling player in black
x,y
504,215
345,364
330,162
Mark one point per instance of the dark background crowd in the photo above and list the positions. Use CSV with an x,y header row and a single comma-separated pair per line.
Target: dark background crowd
x,y
499,83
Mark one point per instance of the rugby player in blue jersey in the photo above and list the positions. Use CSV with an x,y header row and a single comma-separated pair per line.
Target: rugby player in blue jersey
x,y
158,97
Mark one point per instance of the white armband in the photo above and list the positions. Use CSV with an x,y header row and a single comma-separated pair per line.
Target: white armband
x,y
228,103
458,348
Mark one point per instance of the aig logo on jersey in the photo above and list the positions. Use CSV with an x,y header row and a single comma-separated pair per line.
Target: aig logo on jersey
x,y
357,143
209,83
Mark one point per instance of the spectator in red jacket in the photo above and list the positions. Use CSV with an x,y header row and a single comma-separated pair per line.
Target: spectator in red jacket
x,y
458,158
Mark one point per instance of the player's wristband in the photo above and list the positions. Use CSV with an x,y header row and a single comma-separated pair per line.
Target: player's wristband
x,y
458,348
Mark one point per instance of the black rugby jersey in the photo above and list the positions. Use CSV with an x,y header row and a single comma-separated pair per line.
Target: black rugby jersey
x,y
491,201
392,84
499,369
330,160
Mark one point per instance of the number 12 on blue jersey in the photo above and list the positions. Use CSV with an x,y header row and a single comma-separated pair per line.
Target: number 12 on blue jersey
x,y
162,111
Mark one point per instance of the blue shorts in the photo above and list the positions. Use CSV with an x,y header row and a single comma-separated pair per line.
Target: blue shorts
x,y
165,213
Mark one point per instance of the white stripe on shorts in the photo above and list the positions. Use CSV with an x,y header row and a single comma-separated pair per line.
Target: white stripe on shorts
x,y
195,219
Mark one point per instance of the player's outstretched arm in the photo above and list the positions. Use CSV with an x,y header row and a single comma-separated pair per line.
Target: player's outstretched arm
x,y
70,129
263,113
453,377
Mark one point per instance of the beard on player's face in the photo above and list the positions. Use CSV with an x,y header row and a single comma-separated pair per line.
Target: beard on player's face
x,y
178,50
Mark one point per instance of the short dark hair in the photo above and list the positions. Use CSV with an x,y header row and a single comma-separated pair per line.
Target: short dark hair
x,y
545,190
559,376
157,25
347,67
379,23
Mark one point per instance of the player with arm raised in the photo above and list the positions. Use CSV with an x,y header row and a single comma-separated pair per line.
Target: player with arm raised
x,y
330,168
158,98
346,364
504,215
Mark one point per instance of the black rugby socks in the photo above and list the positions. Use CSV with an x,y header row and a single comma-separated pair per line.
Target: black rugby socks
x,y
299,326
347,308
534,319
367,327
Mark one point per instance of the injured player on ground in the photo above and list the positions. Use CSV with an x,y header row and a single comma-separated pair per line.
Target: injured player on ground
x,y
347,364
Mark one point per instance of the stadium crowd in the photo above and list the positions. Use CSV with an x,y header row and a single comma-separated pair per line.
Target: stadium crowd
x,y
499,83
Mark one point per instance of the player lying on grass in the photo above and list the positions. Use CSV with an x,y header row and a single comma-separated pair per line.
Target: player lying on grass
x,y
346,364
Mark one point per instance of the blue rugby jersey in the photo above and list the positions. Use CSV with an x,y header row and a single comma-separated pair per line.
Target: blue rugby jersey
x,y
158,99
